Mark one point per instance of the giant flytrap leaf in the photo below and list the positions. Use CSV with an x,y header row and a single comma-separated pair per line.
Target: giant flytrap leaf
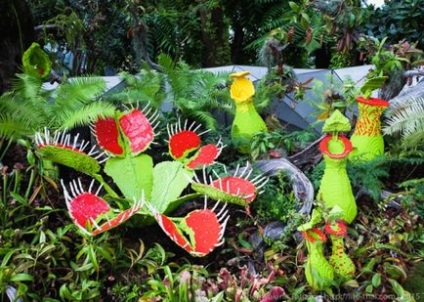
x,y
131,132
183,141
199,232
107,134
61,149
236,188
92,214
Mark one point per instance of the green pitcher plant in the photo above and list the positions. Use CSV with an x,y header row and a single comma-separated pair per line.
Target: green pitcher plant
x,y
150,189
247,121
338,209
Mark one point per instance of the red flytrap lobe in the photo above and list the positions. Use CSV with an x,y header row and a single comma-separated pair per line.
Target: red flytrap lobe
x,y
183,140
133,126
107,134
204,228
87,208
237,188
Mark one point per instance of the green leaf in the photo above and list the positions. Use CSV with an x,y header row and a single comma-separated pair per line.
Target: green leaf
x,y
93,258
169,181
372,84
218,298
403,294
85,267
376,280
21,277
294,6
133,175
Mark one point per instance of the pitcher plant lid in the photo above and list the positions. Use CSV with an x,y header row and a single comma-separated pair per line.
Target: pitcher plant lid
x,y
373,101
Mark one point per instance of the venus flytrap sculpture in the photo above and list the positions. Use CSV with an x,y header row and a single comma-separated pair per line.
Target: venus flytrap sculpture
x,y
148,189
247,122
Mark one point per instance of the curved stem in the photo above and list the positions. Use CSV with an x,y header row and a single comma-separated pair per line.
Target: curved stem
x,y
108,189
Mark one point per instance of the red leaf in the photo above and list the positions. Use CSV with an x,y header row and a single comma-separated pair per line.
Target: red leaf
x,y
183,142
207,230
86,207
205,156
137,129
236,186
173,232
107,134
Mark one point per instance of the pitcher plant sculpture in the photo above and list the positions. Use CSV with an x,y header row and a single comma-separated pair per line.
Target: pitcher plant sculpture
x,y
367,139
338,208
247,121
145,188
335,188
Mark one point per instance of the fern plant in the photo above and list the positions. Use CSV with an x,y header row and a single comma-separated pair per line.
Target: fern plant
x,y
193,94
29,107
407,119
196,93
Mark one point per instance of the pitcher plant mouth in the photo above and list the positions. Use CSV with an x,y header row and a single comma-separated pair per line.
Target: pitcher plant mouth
x,y
347,146
373,102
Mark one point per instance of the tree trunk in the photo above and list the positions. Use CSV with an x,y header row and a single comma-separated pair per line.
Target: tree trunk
x,y
215,37
16,35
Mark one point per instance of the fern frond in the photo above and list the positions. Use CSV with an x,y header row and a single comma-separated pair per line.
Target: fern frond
x,y
12,128
146,87
408,119
28,86
87,114
29,113
205,118
415,139
78,91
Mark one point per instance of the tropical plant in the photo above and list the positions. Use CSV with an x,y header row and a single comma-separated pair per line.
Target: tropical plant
x,y
29,107
190,94
407,120
390,61
404,25
195,94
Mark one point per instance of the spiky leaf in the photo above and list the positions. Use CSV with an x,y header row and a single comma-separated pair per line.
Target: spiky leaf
x,y
71,158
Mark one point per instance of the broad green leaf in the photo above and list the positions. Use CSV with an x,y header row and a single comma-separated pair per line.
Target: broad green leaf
x,y
376,280
132,175
21,277
372,84
170,179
